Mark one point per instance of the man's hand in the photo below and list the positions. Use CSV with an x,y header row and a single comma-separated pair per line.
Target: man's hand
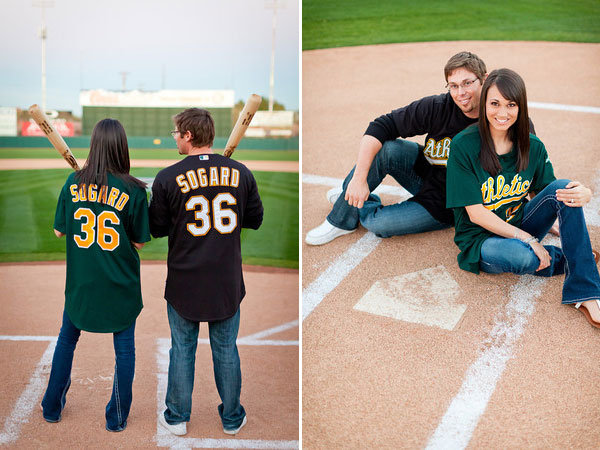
x,y
357,192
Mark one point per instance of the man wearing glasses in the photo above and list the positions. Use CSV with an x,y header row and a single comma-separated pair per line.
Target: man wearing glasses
x,y
420,169
202,203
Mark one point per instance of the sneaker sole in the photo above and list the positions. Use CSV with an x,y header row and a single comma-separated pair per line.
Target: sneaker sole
x,y
326,239
237,430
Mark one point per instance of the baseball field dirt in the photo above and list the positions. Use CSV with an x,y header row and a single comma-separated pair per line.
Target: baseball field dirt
x,y
488,361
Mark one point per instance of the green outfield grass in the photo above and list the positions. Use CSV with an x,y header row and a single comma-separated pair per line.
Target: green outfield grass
x,y
340,23
28,200
150,153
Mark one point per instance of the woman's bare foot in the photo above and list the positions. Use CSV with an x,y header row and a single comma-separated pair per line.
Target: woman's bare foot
x,y
591,309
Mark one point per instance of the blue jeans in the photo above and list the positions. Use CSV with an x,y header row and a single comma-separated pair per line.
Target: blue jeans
x,y
117,409
575,258
396,158
226,366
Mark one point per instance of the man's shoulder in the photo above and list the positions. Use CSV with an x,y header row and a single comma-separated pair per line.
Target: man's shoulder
x,y
438,100
468,136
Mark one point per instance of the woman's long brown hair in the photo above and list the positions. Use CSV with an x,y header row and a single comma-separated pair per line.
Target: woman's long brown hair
x,y
512,87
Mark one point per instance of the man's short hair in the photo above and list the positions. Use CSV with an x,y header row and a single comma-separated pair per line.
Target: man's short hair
x,y
199,123
469,61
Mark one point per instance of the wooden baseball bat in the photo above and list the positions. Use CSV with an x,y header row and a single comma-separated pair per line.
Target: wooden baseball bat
x,y
242,123
55,139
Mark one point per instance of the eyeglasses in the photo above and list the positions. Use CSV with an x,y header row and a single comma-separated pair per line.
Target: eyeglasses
x,y
452,87
174,132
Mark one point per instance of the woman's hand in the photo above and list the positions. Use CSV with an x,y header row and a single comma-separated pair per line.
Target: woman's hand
x,y
574,194
357,192
542,255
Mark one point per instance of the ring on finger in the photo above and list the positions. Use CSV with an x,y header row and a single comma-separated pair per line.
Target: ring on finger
x,y
571,201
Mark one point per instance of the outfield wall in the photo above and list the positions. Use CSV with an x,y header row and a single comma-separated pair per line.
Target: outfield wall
x,y
152,142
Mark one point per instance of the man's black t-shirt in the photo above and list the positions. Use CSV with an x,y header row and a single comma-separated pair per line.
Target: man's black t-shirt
x,y
440,119
202,203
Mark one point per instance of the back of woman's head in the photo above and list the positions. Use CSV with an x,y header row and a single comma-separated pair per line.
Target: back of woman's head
x,y
109,153
512,87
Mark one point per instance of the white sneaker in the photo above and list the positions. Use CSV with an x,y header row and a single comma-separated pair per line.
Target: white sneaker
x,y
333,194
236,430
178,429
325,233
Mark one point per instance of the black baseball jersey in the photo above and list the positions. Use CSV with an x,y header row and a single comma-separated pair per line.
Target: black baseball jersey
x,y
202,203
440,119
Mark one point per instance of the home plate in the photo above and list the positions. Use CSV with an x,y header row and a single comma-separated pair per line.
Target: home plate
x,y
427,297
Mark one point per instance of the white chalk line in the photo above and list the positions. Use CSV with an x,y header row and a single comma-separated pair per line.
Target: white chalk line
x,y
561,107
462,416
337,182
32,392
339,269
28,338
30,396
314,294
165,439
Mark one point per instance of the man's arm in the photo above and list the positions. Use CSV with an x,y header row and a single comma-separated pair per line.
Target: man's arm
x,y
253,214
158,212
58,233
358,189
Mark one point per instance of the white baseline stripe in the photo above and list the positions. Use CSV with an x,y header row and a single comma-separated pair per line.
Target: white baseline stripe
x,y
337,182
270,331
247,341
559,107
30,397
28,338
336,272
165,439
457,426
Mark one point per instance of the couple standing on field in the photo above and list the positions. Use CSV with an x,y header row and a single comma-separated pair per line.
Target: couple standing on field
x,y
204,282
481,170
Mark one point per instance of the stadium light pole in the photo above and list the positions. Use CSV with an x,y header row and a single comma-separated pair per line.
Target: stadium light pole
x,y
272,5
43,4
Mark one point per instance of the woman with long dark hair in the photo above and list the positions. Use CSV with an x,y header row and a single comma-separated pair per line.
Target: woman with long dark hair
x,y
103,212
491,170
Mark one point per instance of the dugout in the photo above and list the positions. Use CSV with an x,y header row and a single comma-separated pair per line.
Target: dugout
x,y
150,113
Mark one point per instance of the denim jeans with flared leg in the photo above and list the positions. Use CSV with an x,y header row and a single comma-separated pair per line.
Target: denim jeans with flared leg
x,y
117,409
575,259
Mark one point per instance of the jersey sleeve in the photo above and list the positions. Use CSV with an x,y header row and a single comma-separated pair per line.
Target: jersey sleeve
x,y
253,214
140,231
60,219
159,210
462,185
411,120
544,172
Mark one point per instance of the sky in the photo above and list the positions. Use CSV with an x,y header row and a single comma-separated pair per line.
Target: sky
x,y
170,44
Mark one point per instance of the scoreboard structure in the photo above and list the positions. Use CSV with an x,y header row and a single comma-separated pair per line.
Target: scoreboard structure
x,y
150,113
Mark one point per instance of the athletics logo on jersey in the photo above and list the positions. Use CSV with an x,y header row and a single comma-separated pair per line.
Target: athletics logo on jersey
x,y
495,195
437,152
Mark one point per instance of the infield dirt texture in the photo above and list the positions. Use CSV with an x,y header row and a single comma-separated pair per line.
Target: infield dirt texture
x,y
401,348
32,299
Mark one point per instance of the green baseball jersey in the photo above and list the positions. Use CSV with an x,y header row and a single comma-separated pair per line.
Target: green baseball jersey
x,y
505,194
102,292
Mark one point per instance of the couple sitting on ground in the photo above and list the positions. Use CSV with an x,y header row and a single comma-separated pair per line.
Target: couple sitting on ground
x,y
483,170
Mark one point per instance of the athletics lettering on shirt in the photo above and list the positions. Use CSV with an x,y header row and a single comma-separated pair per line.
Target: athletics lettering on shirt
x,y
500,194
437,152
193,179
114,197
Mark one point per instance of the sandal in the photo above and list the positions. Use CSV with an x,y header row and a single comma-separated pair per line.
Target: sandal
x,y
587,314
